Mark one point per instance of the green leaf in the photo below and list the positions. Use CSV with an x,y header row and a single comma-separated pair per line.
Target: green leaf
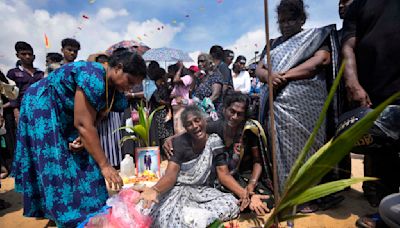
x,y
142,115
141,132
123,128
326,189
216,224
126,138
324,159
322,162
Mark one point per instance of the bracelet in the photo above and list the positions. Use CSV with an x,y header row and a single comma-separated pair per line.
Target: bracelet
x,y
156,189
133,95
253,181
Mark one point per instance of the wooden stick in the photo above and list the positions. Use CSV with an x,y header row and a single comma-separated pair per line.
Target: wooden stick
x,y
272,129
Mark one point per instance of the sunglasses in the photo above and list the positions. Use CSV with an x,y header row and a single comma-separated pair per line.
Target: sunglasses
x,y
201,61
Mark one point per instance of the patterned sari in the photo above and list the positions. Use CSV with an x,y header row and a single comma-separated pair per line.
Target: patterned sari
x,y
298,105
191,202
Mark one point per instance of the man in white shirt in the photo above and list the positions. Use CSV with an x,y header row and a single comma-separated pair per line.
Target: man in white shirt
x,y
240,76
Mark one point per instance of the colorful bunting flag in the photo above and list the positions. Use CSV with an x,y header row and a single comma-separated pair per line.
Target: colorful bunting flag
x,y
46,41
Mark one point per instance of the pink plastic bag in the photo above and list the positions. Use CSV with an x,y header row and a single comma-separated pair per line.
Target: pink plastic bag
x,y
123,213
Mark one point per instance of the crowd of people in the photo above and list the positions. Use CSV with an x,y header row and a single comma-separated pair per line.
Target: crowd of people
x,y
58,137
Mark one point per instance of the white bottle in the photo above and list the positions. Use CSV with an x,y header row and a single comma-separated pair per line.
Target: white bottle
x,y
127,166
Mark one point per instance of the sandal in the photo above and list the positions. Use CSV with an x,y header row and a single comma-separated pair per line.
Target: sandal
x,y
370,221
307,208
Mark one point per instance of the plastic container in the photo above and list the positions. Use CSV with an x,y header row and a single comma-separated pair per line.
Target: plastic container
x,y
127,166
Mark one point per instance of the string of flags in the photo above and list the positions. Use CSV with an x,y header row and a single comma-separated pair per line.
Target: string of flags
x,y
186,16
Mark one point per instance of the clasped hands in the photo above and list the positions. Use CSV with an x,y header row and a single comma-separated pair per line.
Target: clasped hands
x,y
278,79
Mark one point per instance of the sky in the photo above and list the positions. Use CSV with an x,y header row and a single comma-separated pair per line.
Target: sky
x,y
190,25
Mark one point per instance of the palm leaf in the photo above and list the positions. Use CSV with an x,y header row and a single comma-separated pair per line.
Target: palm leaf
x,y
142,115
142,133
323,161
123,128
126,138
327,189
325,158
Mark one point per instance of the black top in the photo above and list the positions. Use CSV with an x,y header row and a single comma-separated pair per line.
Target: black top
x,y
250,140
23,80
376,25
226,73
183,150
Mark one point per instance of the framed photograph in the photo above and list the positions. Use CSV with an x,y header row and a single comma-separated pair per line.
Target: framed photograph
x,y
148,161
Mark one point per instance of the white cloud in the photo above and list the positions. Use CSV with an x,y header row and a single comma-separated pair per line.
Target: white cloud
x,y
198,34
194,56
96,34
106,14
248,43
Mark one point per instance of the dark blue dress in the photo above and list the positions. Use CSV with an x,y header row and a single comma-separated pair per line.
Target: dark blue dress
x,y
57,183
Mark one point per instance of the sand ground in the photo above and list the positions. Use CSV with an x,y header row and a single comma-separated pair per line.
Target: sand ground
x,y
343,216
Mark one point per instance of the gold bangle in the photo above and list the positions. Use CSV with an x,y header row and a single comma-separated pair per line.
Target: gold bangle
x,y
156,189
253,181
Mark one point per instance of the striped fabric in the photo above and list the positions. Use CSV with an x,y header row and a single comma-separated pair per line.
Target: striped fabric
x,y
109,140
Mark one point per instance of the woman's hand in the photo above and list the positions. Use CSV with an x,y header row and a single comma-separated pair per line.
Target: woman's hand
x,y
257,205
357,96
112,177
168,148
16,115
178,100
149,196
278,79
250,187
76,145
244,200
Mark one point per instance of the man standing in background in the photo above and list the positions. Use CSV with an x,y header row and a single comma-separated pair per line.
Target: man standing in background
x,y
371,49
23,75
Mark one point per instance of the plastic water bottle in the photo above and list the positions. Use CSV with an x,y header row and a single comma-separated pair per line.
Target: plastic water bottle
x,y
127,166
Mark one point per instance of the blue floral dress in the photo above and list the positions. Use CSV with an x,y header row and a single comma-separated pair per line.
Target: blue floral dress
x,y
57,183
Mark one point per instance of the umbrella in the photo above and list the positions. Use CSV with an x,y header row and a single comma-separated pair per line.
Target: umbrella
x,y
167,55
131,45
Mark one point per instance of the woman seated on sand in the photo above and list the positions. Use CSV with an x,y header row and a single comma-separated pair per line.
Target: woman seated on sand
x,y
183,196
243,168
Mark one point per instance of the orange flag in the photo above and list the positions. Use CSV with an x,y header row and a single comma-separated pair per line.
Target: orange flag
x,y
46,41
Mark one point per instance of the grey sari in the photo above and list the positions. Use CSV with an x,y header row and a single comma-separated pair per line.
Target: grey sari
x,y
298,105
191,203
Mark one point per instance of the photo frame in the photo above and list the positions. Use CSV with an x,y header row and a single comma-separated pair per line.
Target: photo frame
x,y
148,161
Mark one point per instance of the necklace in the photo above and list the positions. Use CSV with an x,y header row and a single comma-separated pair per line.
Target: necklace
x,y
108,106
